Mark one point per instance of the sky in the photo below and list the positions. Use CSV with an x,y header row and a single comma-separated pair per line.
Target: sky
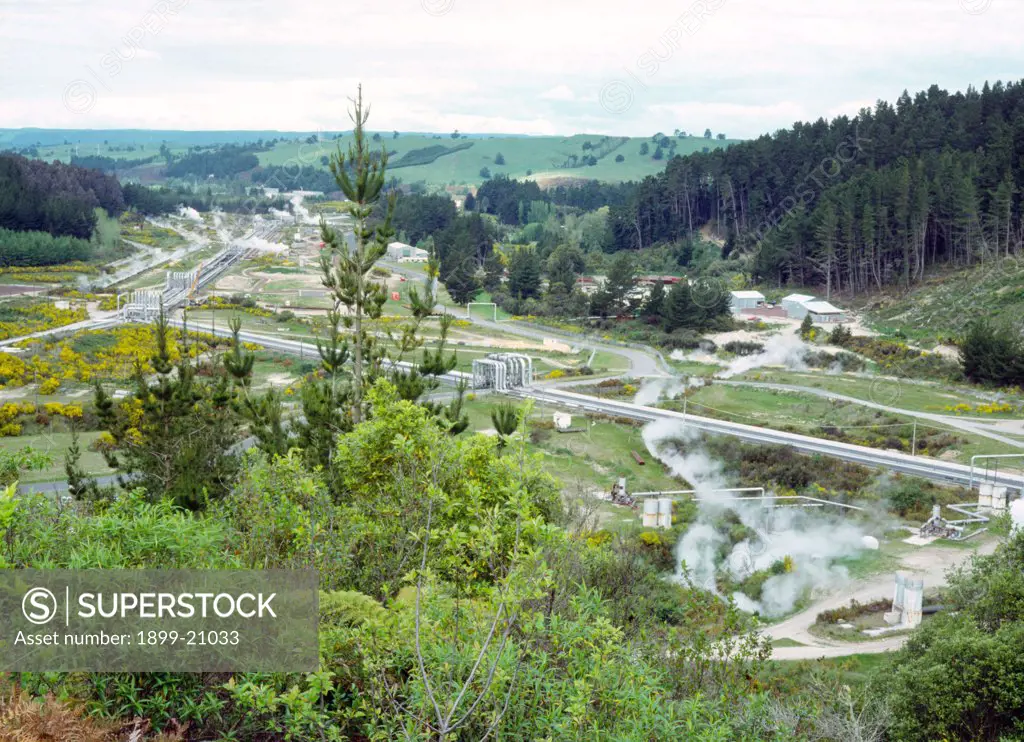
x,y
739,67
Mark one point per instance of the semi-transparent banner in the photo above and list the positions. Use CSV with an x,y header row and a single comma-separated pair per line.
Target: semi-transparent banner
x,y
158,620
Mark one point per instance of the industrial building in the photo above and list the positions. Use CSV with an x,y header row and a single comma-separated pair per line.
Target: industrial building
x,y
798,306
746,300
794,305
407,253
822,311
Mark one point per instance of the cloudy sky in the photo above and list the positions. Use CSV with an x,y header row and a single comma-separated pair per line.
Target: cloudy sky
x,y
742,67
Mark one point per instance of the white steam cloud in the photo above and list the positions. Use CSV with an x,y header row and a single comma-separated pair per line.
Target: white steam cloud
x,y
301,212
191,214
654,390
811,538
781,350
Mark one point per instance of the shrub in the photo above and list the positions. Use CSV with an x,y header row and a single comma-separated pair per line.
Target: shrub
x,y
743,348
49,386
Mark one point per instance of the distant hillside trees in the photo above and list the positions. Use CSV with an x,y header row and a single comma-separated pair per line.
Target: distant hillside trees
x,y
468,236
224,162
857,203
40,248
524,272
420,216
109,164
53,197
461,249
590,195
503,197
306,178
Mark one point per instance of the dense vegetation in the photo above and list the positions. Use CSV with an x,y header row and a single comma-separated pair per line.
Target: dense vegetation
x,y
40,248
109,164
854,203
223,162
992,353
55,198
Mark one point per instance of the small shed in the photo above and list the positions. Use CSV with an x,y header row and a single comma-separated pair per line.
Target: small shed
x,y
746,300
795,305
822,311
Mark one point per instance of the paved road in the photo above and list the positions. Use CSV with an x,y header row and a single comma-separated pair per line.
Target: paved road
x,y
642,363
930,562
967,425
932,469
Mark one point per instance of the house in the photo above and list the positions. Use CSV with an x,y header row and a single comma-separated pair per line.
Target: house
x,y
663,280
822,311
794,305
746,300
406,253
590,285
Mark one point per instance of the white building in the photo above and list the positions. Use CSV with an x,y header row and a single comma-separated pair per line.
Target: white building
x,y
822,311
746,300
407,253
794,305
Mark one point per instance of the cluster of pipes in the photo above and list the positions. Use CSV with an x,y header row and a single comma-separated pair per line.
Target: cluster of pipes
x,y
503,371
180,280
907,602
992,500
140,306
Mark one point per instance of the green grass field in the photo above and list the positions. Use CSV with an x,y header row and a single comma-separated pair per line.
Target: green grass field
x,y
538,156
595,458
525,156
54,445
907,394
806,413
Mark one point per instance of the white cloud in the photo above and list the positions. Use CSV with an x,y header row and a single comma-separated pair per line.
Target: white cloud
x,y
739,66
559,92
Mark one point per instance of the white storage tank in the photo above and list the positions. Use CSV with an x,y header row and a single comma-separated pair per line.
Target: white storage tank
x,y
665,512
914,599
650,513
985,495
900,593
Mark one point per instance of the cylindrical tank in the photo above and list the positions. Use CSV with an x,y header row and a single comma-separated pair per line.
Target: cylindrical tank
x,y
914,601
665,512
650,513
900,592
985,495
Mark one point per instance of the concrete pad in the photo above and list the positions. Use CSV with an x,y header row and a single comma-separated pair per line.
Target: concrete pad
x,y
920,540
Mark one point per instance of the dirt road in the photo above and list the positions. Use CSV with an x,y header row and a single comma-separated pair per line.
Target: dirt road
x,y
930,562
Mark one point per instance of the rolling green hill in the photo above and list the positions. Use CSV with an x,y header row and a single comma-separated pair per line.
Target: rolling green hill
x,y
542,158
435,159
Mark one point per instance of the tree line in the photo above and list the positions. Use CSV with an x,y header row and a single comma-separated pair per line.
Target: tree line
x,y
53,197
859,202
224,162
40,248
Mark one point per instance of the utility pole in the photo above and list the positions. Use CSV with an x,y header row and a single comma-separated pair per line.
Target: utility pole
x,y
913,444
